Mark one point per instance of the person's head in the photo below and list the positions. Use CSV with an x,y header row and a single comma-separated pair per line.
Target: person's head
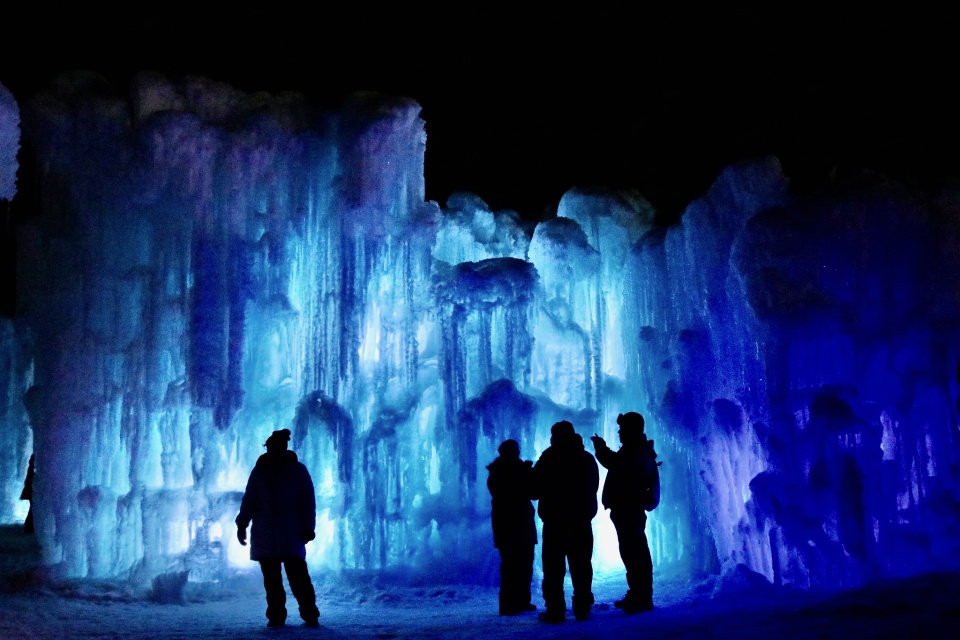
x,y
631,427
509,449
278,441
562,433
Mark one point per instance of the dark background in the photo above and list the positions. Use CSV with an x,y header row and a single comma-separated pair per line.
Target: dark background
x,y
520,106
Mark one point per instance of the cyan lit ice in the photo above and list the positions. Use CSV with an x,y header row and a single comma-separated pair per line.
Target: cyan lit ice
x,y
206,266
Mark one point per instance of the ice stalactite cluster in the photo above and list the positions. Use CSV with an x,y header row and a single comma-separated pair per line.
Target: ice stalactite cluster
x,y
210,267
205,266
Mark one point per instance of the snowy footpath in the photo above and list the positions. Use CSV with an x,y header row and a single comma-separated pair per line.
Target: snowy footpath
x,y
925,607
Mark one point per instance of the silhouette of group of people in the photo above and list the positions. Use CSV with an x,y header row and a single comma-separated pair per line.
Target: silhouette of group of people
x,y
279,500
565,481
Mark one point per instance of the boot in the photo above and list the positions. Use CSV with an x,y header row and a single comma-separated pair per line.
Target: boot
x,y
582,606
636,604
553,616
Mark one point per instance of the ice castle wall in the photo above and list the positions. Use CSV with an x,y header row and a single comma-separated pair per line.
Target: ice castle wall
x,y
801,354
15,373
9,143
207,266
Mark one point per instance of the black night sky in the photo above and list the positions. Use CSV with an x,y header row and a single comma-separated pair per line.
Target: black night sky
x,y
521,106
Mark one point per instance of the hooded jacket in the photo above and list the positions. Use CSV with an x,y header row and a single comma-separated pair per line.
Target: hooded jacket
x,y
633,483
511,488
566,479
280,501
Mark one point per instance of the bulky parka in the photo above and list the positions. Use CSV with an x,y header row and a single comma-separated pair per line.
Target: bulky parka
x,y
280,501
511,488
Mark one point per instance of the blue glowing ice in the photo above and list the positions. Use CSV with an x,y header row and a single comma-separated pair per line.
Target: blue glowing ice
x,y
207,267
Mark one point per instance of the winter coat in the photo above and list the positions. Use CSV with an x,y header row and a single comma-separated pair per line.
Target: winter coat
x,y
511,488
632,483
280,501
566,479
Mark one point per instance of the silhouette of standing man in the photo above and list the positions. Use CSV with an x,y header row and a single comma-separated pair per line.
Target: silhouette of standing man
x,y
631,489
280,501
566,478
514,532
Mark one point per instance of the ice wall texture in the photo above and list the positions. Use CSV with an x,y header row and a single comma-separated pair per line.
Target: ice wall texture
x,y
210,267
9,143
15,436
802,353
207,266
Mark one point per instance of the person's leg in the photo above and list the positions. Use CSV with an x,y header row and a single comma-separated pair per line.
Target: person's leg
x,y
627,556
553,557
276,596
635,553
299,578
504,596
516,573
644,569
581,569
525,577
508,580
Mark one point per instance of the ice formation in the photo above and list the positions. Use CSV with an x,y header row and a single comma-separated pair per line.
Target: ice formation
x,y
206,266
9,143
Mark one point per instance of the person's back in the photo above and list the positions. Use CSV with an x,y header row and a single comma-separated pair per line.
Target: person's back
x,y
514,531
280,501
510,482
566,479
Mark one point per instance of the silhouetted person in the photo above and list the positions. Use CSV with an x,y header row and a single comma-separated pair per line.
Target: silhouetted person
x,y
280,501
514,531
631,489
566,478
27,494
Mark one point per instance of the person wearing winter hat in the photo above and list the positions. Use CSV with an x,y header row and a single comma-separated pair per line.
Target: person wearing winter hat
x,y
280,502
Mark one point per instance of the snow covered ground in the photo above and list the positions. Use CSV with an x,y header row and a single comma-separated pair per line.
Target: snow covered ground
x,y
925,607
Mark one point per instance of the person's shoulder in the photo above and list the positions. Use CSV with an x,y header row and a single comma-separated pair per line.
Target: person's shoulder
x,y
545,459
300,467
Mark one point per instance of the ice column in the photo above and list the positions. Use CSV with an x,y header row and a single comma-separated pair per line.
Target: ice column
x,y
15,436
